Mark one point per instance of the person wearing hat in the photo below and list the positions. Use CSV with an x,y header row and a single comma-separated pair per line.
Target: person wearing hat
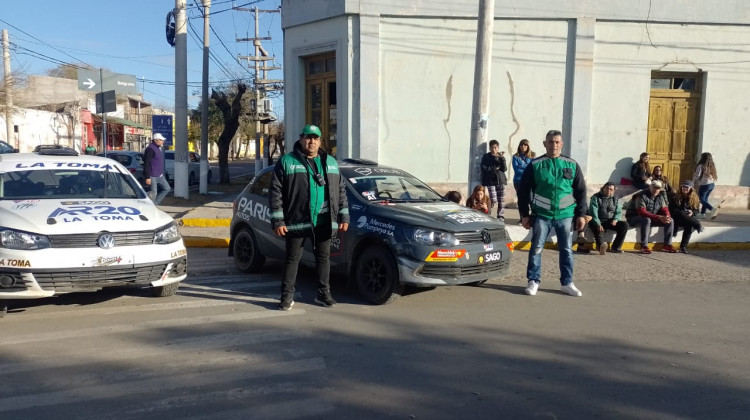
x,y
684,208
308,201
153,170
651,208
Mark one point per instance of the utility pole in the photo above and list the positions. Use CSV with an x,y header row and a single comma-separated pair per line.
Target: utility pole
x,y
203,188
180,106
260,88
8,92
480,103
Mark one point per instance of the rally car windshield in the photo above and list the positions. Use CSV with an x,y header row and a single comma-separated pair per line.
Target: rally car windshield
x,y
67,183
393,188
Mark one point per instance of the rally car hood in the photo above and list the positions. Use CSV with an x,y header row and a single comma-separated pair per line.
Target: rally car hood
x,y
64,216
438,214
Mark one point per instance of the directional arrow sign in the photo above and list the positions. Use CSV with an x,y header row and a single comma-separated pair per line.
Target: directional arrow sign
x,y
123,84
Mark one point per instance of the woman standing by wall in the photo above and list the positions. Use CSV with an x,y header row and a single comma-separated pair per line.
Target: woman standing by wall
x,y
493,176
704,178
521,160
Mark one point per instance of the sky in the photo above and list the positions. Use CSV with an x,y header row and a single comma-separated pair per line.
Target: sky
x,y
128,37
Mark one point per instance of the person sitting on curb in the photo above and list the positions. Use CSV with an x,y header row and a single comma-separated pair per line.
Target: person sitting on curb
x,y
658,175
479,200
583,246
606,213
684,206
650,207
453,196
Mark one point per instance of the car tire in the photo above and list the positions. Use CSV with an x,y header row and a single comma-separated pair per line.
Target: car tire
x,y
191,178
376,276
247,256
166,290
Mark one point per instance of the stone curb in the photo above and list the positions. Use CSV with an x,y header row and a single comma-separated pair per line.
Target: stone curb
x,y
205,222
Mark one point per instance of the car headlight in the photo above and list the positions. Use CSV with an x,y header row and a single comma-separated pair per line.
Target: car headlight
x,y
434,237
167,234
16,239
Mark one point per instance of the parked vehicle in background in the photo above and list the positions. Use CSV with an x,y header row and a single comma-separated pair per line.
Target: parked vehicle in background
x,y
401,233
194,167
80,224
7,148
55,149
133,161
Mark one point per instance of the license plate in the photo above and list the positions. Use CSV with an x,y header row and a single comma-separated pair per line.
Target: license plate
x,y
489,257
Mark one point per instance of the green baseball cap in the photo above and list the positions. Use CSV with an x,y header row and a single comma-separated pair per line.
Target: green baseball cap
x,y
311,130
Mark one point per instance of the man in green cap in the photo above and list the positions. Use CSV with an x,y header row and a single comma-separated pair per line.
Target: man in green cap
x,y
307,200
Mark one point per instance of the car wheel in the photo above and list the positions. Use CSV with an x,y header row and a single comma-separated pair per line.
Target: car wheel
x,y
191,178
166,290
376,276
247,257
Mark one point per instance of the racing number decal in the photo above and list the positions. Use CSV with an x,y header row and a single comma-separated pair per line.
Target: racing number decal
x,y
96,213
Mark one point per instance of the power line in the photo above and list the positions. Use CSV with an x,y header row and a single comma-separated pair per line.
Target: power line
x,y
58,50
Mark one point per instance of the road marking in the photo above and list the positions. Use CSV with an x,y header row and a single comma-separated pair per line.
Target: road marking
x,y
155,386
116,329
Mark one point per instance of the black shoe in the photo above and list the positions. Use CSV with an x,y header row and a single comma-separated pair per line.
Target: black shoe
x,y
615,251
286,303
583,250
683,249
325,299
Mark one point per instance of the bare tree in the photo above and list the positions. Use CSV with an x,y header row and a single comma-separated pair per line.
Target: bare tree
x,y
231,113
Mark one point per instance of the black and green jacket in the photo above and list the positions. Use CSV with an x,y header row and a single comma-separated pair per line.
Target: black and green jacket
x,y
289,197
553,188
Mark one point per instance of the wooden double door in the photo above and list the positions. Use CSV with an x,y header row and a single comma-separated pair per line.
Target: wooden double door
x,y
674,124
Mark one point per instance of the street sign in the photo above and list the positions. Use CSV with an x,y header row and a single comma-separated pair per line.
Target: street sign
x,y
106,102
162,124
90,80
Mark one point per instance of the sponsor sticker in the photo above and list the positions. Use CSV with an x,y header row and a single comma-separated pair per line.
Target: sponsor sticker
x,y
446,255
374,225
14,263
490,257
105,261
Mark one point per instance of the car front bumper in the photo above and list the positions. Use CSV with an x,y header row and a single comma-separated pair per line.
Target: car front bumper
x,y
421,274
48,272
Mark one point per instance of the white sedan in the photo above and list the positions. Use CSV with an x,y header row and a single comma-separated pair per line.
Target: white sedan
x,y
194,167
81,223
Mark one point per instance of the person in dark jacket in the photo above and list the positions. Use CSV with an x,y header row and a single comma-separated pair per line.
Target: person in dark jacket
x,y
651,207
153,170
307,200
684,207
606,212
493,176
640,173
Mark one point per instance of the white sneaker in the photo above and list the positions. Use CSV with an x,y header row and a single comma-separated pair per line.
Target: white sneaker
x,y
531,288
572,290
603,248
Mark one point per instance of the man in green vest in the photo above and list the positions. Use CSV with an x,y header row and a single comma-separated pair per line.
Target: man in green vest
x,y
553,188
308,201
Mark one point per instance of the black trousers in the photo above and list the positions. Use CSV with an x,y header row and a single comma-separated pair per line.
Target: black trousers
x,y
621,227
294,248
688,224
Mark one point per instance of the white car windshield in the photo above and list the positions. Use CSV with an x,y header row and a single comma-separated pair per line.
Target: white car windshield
x,y
393,187
68,183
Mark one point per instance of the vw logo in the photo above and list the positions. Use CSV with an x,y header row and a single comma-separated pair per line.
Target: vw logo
x,y
106,241
486,238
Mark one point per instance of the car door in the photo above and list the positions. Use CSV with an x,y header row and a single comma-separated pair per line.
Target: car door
x,y
258,213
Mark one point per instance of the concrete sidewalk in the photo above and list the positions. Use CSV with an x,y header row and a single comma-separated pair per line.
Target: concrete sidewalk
x,y
208,226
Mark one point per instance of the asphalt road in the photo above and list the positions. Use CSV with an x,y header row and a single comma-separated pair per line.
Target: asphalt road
x,y
660,337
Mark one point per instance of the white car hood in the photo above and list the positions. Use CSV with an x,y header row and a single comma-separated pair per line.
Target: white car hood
x,y
66,216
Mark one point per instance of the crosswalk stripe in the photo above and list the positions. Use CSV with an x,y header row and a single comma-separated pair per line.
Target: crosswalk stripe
x,y
204,344
114,329
159,384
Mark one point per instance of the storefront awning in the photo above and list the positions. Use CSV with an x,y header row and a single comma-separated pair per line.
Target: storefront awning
x,y
122,121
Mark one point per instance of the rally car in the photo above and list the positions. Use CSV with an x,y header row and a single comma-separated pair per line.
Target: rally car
x,y
73,223
401,233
